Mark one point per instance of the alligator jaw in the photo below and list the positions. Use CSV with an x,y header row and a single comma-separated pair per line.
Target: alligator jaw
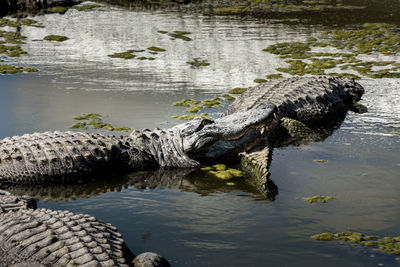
x,y
225,137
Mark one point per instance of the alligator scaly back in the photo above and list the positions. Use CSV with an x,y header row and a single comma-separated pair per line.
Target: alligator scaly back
x,y
312,100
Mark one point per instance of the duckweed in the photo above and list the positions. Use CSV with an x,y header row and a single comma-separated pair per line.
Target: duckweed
x,y
80,125
12,37
320,161
30,70
124,55
221,171
228,97
216,102
156,49
11,51
96,121
195,109
8,69
57,38
192,116
57,9
323,237
123,129
319,199
220,167
89,116
180,35
8,22
260,80
237,91
196,63
273,76
87,7
186,103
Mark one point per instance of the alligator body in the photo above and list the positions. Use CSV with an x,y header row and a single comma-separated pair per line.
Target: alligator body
x,y
250,127
310,108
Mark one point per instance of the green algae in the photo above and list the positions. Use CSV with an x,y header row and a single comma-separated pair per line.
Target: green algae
x,y
30,70
228,97
195,109
320,161
156,49
197,63
318,199
124,55
123,129
135,50
273,76
56,38
216,102
186,103
79,125
87,7
192,116
11,50
89,116
180,35
9,23
206,169
221,171
238,90
8,69
323,237
57,9
162,32
260,80
12,37
220,167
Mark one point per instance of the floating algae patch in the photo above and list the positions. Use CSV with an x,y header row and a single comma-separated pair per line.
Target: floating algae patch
x,y
57,9
12,37
124,55
273,76
388,245
30,70
162,32
180,35
228,97
260,80
197,63
318,199
11,51
87,7
221,171
9,23
8,69
216,102
156,49
320,161
192,116
95,120
378,38
56,38
238,90
195,109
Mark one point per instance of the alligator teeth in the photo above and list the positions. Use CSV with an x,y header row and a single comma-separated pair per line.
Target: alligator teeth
x,y
262,130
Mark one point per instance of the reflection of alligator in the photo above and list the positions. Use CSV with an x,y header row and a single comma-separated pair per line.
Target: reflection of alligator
x,y
10,6
60,237
309,109
70,157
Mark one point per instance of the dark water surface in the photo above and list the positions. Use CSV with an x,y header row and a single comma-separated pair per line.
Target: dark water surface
x,y
188,218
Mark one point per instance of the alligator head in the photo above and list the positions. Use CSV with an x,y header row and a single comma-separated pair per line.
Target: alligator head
x,y
205,140
353,90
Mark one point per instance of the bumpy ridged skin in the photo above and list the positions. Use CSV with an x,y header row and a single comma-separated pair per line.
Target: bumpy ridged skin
x,y
55,157
31,237
311,100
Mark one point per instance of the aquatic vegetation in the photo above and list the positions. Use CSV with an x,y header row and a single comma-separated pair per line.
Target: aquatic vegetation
x,y
195,109
180,35
57,9
12,37
156,49
8,69
196,63
87,7
80,125
96,121
124,55
273,76
221,171
323,237
320,161
30,70
57,38
135,51
192,116
8,22
162,32
237,91
319,199
216,102
186,103
371,38
228,97
260,80
388,245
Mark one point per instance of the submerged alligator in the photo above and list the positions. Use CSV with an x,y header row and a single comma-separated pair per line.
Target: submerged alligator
x,y
250,127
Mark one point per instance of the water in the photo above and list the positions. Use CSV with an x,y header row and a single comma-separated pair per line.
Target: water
x,y
188,218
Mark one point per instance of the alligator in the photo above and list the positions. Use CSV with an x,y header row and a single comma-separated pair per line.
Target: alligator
x,y
58,238
250,128
309,108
